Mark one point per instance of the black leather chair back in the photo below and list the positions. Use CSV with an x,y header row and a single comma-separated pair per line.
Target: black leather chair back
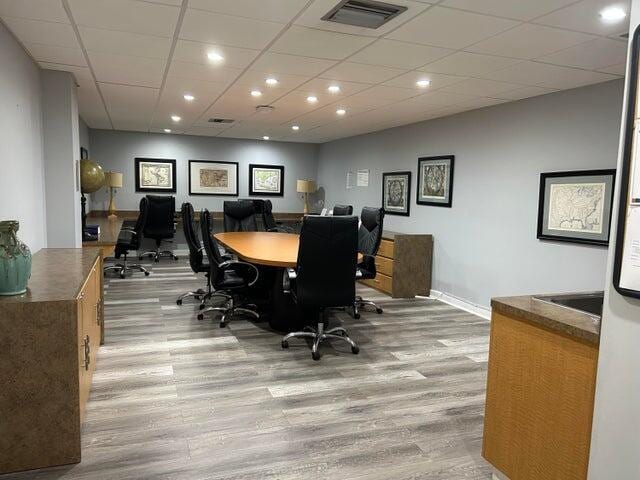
x,y
267,216
196,256
327,261
159,224
239,217
343,210
140,223
210,245
369,237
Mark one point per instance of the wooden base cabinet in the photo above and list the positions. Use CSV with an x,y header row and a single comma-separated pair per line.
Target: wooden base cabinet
x,y
49,340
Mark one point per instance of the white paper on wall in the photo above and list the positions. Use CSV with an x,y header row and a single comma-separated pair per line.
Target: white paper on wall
x,y
349,180
363,178
630,271
635,170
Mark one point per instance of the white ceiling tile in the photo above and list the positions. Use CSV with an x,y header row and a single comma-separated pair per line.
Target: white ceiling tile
x,y
281,11
133,44
123,69
517,9
47,33
529,41
207,73
319,87
204,131
228,30
380,95
619,69
320,44
312,17
449,28
82,74
524,92
440,98
91,108
291,64
358,72
48,53
593,55
126,15
392,53
196,52
550,76
205,92
438,80
128,105
47,10
175,3
480,87
465,63
584,16
253,79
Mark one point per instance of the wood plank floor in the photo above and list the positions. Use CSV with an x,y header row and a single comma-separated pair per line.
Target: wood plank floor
x,y
178,398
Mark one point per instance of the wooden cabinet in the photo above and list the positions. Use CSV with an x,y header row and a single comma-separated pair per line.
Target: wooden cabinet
x,y
49,340
403,265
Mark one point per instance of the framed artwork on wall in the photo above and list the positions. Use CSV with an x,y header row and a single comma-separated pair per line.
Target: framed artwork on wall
x,y
396,188
213,178
576,206
155,175
266,180
435,180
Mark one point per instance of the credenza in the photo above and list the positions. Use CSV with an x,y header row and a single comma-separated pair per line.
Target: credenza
x,y
403,265
49,339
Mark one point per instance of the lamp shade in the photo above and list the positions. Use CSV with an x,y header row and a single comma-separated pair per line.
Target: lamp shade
x,y
113,179
306,186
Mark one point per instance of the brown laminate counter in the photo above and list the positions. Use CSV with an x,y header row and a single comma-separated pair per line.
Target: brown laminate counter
x,y
554,317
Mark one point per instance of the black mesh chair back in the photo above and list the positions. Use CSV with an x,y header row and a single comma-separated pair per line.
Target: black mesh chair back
x,y
239,217
196,255
339,210
161,211
327,261
210,245
369,237
267,216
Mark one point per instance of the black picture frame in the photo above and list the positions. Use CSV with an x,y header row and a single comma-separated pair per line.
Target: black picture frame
x,y
145,189
236,189
450,159
84,153
407,193
606,213
260,193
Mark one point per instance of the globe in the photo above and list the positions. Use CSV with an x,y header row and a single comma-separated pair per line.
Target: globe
x,y
91,176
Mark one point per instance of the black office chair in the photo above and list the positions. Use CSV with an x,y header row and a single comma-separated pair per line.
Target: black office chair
x,y
369,238
231,277
339,210
196,259
324,275
160,225
239,216
270,224
128,241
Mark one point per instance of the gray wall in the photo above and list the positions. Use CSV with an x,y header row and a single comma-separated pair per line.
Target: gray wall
x,y
485,245
116,150
21,161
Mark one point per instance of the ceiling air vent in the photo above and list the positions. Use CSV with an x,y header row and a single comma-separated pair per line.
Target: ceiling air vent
x,y
220,120
363,13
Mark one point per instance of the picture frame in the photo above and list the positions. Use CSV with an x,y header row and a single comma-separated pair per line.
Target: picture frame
x,y
576,206
396,190
155,175
208,177
266,180
435,181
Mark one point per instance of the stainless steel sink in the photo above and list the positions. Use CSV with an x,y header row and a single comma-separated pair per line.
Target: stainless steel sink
x,y
589,302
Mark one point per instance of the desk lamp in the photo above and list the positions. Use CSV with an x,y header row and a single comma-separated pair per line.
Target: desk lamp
x,y
306,187
113,180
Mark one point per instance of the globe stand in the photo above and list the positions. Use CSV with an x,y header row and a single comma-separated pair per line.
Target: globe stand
x,y
86,236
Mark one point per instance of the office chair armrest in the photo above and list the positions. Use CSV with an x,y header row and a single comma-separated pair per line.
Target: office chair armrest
x,y
129,230
290,274
358,274
231,263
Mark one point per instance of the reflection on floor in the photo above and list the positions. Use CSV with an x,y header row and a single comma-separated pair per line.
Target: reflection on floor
x,y
178,398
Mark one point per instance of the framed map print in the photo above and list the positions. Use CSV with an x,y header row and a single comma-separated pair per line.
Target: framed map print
x,y
396,187
155,175
576,206
266,180
213,178
435,180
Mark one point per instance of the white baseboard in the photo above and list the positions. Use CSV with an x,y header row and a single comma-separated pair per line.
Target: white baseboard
x,y
483,312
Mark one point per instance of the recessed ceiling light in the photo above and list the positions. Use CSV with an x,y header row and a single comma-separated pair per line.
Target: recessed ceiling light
x,y
188,97
176,118
256,93
215,57
334,89
312,99
612,14
341,111
295,127
423,83
266,137
167,130
271,81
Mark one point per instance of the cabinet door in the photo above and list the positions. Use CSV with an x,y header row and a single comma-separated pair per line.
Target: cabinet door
x,y
84,376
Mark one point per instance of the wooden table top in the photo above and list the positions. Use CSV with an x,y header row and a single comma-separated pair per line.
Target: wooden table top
x,y
109,231
263,248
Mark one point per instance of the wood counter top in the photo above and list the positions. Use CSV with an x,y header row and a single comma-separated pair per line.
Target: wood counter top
x,y
554,317
57,274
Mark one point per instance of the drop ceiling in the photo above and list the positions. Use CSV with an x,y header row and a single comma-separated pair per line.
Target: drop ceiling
x,y
134,60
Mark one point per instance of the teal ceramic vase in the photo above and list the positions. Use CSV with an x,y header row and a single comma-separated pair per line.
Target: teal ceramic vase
x,y
15,260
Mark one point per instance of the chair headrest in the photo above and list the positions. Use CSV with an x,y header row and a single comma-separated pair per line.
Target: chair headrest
x,y
371,217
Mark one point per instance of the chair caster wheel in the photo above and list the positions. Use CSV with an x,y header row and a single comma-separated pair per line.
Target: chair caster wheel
x,y
200,316
122,275
284,344
140,257
197,297
222,324
157,260
356,316
175,258
146,274
178,302
355,350
202,306
378,311
315,355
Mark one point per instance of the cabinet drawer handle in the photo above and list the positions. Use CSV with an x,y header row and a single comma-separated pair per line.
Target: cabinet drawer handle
x,y
87,352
